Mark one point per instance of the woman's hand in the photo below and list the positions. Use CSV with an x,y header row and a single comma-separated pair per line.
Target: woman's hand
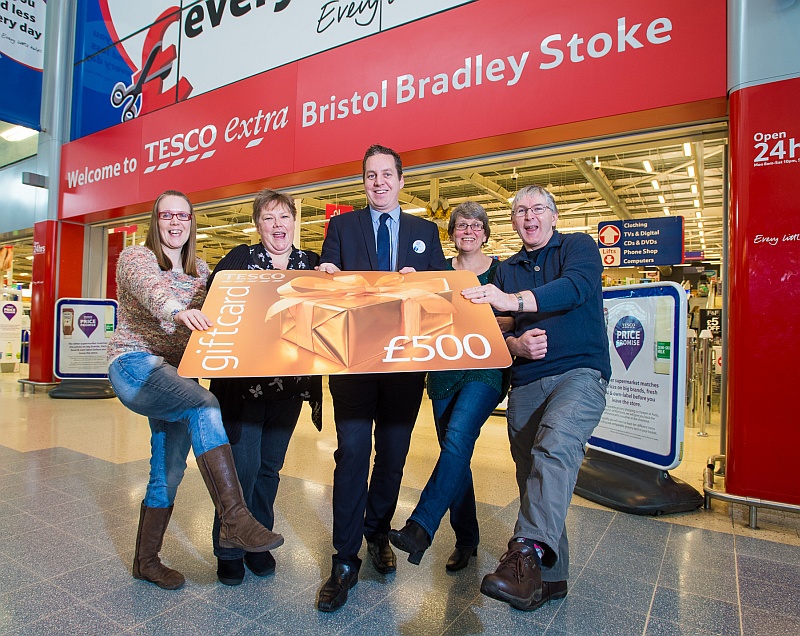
x,y
491,295
194,319
328,268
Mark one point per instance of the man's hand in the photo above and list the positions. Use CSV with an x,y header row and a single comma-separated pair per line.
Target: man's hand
x,y
328,268
491,295
407,270
532,344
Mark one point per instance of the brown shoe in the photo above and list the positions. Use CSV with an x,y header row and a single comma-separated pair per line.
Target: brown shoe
x,y
518,579
381,554
237,527
147,566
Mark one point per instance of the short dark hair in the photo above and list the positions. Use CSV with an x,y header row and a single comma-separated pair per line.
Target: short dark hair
x,y
469,210
377,149
267,198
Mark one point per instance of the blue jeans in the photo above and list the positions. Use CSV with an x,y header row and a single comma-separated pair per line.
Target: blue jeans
x,y
267,428
459,419
181,413
549,422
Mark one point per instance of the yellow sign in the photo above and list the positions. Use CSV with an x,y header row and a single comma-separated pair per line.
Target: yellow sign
x,y
281,322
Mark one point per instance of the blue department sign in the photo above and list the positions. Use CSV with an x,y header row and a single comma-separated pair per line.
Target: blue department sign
x,y
656,241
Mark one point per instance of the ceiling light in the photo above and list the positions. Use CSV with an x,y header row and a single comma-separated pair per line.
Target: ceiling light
x,y
655,185
701,233
699,214
690,171
666,211
697,203
687,149
17,133
700,224
647,166
201,236
249,230
661,199
514,174
30,258
694,188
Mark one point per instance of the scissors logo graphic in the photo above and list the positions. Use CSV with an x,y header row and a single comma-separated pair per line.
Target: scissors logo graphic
x,y
145,92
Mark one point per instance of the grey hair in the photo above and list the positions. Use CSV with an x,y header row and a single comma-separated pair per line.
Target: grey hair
x,y
469,210
531,190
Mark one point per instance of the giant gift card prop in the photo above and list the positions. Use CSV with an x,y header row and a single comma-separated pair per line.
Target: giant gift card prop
x,y
278,322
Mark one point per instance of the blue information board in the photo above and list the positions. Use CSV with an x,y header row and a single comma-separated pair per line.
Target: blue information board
x,y
632,243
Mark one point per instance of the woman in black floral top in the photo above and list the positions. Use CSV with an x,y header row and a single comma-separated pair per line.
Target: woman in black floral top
x,y
260,414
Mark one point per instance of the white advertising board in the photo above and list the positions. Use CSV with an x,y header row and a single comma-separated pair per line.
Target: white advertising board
x,y
83,328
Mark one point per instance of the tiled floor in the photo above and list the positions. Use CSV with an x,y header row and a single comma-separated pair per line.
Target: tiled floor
x,y
72,475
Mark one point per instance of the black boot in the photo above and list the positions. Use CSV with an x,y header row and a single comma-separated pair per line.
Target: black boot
x,y
230,571
412,539
460,558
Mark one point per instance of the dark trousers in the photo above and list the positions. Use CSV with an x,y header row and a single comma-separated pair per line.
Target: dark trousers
x,y
258,456
363,505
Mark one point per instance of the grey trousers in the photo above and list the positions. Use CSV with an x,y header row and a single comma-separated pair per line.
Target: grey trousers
x,y
549,423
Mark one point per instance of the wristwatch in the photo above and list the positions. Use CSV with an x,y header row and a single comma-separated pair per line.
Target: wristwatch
x,y
520,301
174,313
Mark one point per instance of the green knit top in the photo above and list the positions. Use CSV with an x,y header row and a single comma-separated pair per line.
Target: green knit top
x,y
443,384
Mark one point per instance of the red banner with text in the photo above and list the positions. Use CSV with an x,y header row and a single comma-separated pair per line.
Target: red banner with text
x,y
469,73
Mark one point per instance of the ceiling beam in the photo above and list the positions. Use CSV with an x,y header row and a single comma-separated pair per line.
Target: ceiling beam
x,y
493,188
600,182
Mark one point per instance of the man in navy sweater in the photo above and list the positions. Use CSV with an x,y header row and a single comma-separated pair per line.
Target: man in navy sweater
x,y
561,370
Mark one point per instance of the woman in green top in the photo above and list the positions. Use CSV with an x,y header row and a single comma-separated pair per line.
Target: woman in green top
x,y
462,402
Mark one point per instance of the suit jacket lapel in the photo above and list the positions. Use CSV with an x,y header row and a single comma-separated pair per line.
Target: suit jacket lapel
x,y
402,241
369,237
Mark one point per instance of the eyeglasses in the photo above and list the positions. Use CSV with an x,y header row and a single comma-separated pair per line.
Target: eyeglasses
x,y
475,227
536,209
166,215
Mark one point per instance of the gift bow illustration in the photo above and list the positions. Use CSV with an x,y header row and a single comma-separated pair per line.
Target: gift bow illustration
x,y
354,286
304,288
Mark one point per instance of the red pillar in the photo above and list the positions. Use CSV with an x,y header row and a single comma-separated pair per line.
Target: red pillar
x,y
764,299
56,273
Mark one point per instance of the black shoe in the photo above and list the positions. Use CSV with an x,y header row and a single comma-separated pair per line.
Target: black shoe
x,y
460,558
380,551
412,539
230,571
333,594
260,563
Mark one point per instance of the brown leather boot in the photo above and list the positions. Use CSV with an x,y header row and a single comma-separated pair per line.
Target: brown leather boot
x,y
237,527
146,564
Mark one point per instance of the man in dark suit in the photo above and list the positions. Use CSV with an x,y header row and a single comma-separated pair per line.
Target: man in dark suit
x,y
378,237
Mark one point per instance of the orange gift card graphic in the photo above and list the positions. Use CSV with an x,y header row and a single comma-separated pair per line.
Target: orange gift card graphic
x,y
281,322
